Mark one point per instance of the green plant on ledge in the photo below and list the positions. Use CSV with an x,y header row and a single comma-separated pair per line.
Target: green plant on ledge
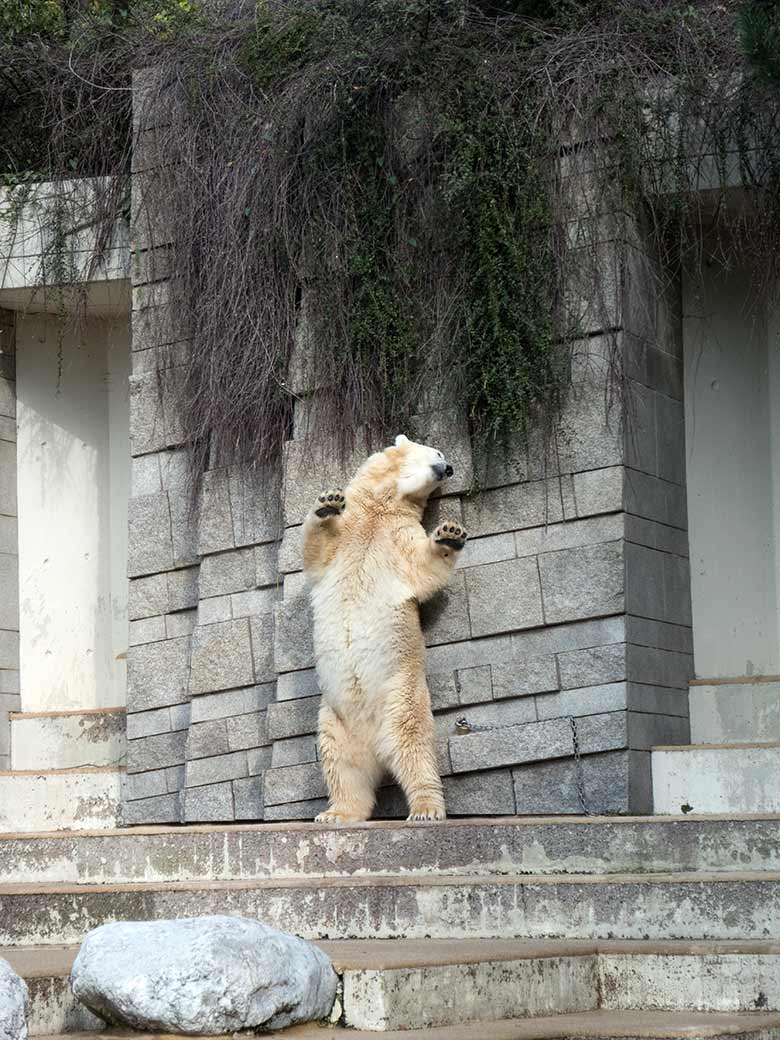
x,y
406,202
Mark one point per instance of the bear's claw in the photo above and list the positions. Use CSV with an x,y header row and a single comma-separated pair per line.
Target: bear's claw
x,y
451,534
330,503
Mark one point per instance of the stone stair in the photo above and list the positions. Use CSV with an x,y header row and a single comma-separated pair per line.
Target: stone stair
x,y
560,927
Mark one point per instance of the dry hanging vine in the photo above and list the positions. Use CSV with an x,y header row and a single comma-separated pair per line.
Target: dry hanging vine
x,y
391,200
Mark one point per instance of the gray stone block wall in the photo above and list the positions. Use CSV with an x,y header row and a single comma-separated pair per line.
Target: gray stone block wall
x,y
9,547
566,625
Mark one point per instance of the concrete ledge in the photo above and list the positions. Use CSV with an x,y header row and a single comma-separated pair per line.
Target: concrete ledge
x,y
68,739
716,778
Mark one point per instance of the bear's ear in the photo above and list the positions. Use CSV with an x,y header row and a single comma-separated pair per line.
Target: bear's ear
x,y
400,440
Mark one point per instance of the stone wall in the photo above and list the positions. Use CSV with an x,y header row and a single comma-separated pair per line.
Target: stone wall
x,y
567,620
9,559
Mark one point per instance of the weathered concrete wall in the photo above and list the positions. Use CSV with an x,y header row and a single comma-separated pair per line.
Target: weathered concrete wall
x,y
571,601
9,546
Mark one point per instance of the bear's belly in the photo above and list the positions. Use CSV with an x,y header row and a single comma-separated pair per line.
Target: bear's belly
x,y
361,637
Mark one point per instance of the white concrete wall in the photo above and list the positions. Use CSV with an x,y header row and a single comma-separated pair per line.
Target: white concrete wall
x,y
732,431
73,472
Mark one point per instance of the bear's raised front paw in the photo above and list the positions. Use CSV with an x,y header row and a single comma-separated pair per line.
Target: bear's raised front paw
x,y
330,503
450,534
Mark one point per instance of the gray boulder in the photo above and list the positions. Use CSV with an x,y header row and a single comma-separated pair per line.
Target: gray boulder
x,y
14,1002
202,975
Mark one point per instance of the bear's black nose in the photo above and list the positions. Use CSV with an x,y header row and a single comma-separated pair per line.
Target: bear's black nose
x,y
448,471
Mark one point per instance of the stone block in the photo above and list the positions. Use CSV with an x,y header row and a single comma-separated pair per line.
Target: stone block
x,y
147,596
588,436
583,582
145,630
7,429
291,550
647,730
487,716
183,589
215,520
262,629
443,689
491,549
670,431
648,632
231,702
526,675
640,427
208,804
295,810
291,685
8,505
161,809
156,752
201,771
183,531
145,785
665,373
248,798
9,685
447,430
655,535
256,507
147,421
293,718
657,700
307,473
258,760
441,508
174,777
677,590
536,741
590,700
180,716
157,674
7,398
293,634
474,684
489,793
175,471
221,657
546,788
150,545
468,654
147,723
231,571
504,596
569,535
293,752
599,491
445,618
9,591
9,650
205,739
254,602
654,498
247,731
9,534
592,666
217,608
659,667
267,564
644,581
145,475
511,508
293,784
180,624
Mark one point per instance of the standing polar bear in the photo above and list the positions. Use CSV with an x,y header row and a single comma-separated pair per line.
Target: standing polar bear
x,y
370,563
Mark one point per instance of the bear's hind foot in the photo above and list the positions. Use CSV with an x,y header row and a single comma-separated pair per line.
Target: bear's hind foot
x,y
450,535
330,503
426,809
336,818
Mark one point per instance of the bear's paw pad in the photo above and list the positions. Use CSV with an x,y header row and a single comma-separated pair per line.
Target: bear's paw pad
x,y
425,812
450,534
330,503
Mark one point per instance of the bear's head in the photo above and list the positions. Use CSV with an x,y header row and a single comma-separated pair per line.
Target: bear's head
x,y
405,469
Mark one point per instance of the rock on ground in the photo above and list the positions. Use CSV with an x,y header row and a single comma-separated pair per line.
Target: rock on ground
x,y
202,975
14,1002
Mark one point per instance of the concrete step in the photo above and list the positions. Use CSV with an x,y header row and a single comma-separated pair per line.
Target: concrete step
x,y
739,905
67,739
558,845
745,708
416,984
60,799
595,1025
716,778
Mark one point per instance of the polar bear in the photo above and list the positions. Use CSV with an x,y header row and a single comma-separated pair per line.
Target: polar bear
x,y
369,563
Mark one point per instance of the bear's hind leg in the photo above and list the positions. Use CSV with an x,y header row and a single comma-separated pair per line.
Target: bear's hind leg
x,y
410,750
351,771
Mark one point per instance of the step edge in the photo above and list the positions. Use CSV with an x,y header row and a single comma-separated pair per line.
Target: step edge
x,y
17,716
